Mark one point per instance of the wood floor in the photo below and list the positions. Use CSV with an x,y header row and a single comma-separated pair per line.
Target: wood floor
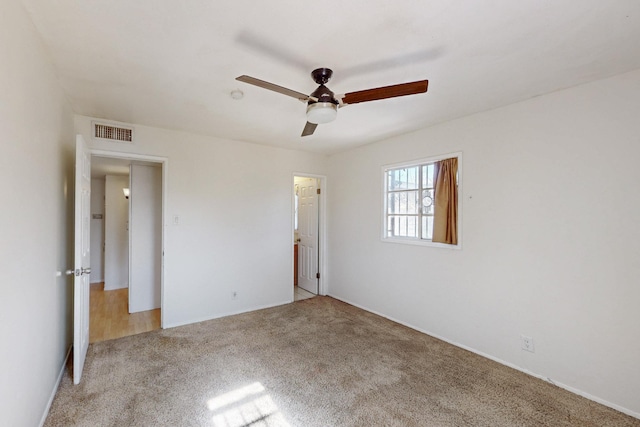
x,y
109,317
299,294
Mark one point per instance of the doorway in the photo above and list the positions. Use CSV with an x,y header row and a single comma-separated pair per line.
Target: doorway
x,y
126,240
308,228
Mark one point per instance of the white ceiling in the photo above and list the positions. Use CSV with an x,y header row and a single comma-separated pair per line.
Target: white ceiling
x,y
172,64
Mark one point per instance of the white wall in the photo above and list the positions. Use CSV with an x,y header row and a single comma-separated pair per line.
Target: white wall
x,y
97,230
145,238
234,205
550,238
116,233
36,181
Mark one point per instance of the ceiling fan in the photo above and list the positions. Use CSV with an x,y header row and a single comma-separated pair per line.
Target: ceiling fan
x,y
323,104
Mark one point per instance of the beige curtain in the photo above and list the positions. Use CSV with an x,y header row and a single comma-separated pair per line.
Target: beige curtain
x,y
445,216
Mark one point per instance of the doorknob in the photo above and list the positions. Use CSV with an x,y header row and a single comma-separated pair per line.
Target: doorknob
x,y
78,272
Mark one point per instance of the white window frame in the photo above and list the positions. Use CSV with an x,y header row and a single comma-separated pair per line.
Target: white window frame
x,y
417,240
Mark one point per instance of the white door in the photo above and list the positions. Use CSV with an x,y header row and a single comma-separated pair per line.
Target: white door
x,y
82,258
308,234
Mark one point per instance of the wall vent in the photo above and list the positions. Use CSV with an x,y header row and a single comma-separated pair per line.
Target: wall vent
x,y
112,132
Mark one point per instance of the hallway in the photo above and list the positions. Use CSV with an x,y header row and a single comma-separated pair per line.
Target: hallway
x,y
109,317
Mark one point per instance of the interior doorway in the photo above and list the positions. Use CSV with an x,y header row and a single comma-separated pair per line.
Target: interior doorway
x,y
308,228
126,240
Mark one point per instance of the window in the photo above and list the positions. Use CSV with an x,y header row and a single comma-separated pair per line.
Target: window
x,y
411,212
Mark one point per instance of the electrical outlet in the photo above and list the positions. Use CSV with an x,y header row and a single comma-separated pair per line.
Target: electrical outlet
x,y
527,343
234,295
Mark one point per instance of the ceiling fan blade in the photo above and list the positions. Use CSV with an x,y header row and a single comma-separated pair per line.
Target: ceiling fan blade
x,y
402,89
309,128
270,86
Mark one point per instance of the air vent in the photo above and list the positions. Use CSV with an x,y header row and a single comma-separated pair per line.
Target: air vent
x,y
112,132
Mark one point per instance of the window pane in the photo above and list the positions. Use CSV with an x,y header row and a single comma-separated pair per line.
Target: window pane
x,y
402,226
427,227
427,175
412,177
402,179
402,202
425,171
427,202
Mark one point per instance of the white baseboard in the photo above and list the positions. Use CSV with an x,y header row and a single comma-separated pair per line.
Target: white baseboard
x,y
502,362
218,316
55,387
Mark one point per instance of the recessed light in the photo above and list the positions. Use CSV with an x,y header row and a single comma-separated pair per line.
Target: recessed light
x,y
237,94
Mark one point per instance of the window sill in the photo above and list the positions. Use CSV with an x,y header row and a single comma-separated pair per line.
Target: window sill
x,y
417,242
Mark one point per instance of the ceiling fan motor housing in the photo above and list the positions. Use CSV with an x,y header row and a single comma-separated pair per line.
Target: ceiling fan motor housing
x,y
322,94
322,75
325,109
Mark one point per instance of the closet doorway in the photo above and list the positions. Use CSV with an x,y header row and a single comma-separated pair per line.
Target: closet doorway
x,y
126,246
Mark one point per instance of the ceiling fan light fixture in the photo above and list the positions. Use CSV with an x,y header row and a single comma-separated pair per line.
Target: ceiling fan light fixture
x,y
322,112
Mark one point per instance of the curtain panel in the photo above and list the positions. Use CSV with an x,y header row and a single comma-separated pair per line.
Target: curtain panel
x,y
445,216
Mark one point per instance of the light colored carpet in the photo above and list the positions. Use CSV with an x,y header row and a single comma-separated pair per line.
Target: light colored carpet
x,y
317,362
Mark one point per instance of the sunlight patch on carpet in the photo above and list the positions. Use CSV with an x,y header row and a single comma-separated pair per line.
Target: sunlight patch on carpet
x,y
246,406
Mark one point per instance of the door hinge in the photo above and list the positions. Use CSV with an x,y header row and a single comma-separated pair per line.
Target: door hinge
x,y
318,191
317,275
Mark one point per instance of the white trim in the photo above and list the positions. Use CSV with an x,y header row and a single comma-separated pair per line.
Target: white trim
x,y
164,161
128,156
129,247
47,407
500,361
322,234
418,241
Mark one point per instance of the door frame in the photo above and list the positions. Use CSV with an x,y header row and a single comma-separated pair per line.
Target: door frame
x,y
164,163
322,232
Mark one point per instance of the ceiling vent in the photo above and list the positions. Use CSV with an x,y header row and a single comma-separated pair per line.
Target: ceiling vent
x,y
112,132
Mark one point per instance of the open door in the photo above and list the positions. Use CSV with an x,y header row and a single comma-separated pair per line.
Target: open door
x,y
308,235
82,258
